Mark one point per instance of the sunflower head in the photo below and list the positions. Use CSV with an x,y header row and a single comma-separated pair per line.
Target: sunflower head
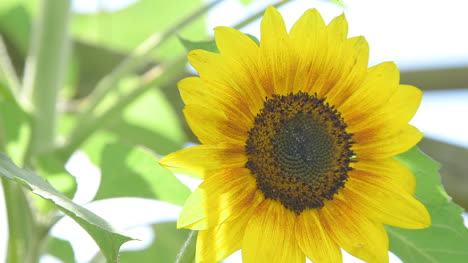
x,y
298,137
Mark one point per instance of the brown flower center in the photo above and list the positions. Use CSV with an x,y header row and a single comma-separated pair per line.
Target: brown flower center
x,y
299,151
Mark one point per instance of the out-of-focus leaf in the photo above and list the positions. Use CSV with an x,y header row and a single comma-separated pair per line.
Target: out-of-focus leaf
x,y
15,127
5,92
130,171
107,237
52,170
137,135
209,45
93,62
447,238
164,249
454,167
128,27
30,6
152,122
246,2
254,38
61,249
95,145
340,3
15,24
15,29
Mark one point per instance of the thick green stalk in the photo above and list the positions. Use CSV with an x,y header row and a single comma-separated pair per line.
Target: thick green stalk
x,y
44,73
21,223
17,210
43,78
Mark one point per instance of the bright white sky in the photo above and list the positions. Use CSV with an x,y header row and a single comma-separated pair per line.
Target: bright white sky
x,y
415,34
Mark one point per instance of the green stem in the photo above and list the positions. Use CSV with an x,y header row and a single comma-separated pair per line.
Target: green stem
x,y
6,66
135,59
44,73
21,223
187,251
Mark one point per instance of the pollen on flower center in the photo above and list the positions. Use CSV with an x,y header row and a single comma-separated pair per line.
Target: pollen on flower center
x,y
299,151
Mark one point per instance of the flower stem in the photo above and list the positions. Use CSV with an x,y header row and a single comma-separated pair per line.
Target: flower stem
x,y
21,223
187,252
44,73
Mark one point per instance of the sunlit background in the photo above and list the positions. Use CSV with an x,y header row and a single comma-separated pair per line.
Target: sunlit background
x,y
427,39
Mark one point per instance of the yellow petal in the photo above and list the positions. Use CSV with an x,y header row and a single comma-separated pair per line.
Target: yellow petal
x,y
269,236
273,28
278,59
389,170
346,77
380,84
337,49
194,90
384,201
353,231
309,41
237,45
388,147
202,160
390,118
228,75
338,27
311,28
241,49
314,241
221,197
215,244
213,126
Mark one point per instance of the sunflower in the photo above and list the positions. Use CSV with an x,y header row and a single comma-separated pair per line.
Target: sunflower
x,y
298,137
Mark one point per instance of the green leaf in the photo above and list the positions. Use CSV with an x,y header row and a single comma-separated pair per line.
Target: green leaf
x,y
15,25
15,29
246,2
164,249
209,45
150,121
254,38
54,172
130,171
107,237
31,6
446,241
61,249
16,124
126,28
339,3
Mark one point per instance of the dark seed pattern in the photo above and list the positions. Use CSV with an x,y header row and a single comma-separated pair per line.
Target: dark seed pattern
x,y
299,151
